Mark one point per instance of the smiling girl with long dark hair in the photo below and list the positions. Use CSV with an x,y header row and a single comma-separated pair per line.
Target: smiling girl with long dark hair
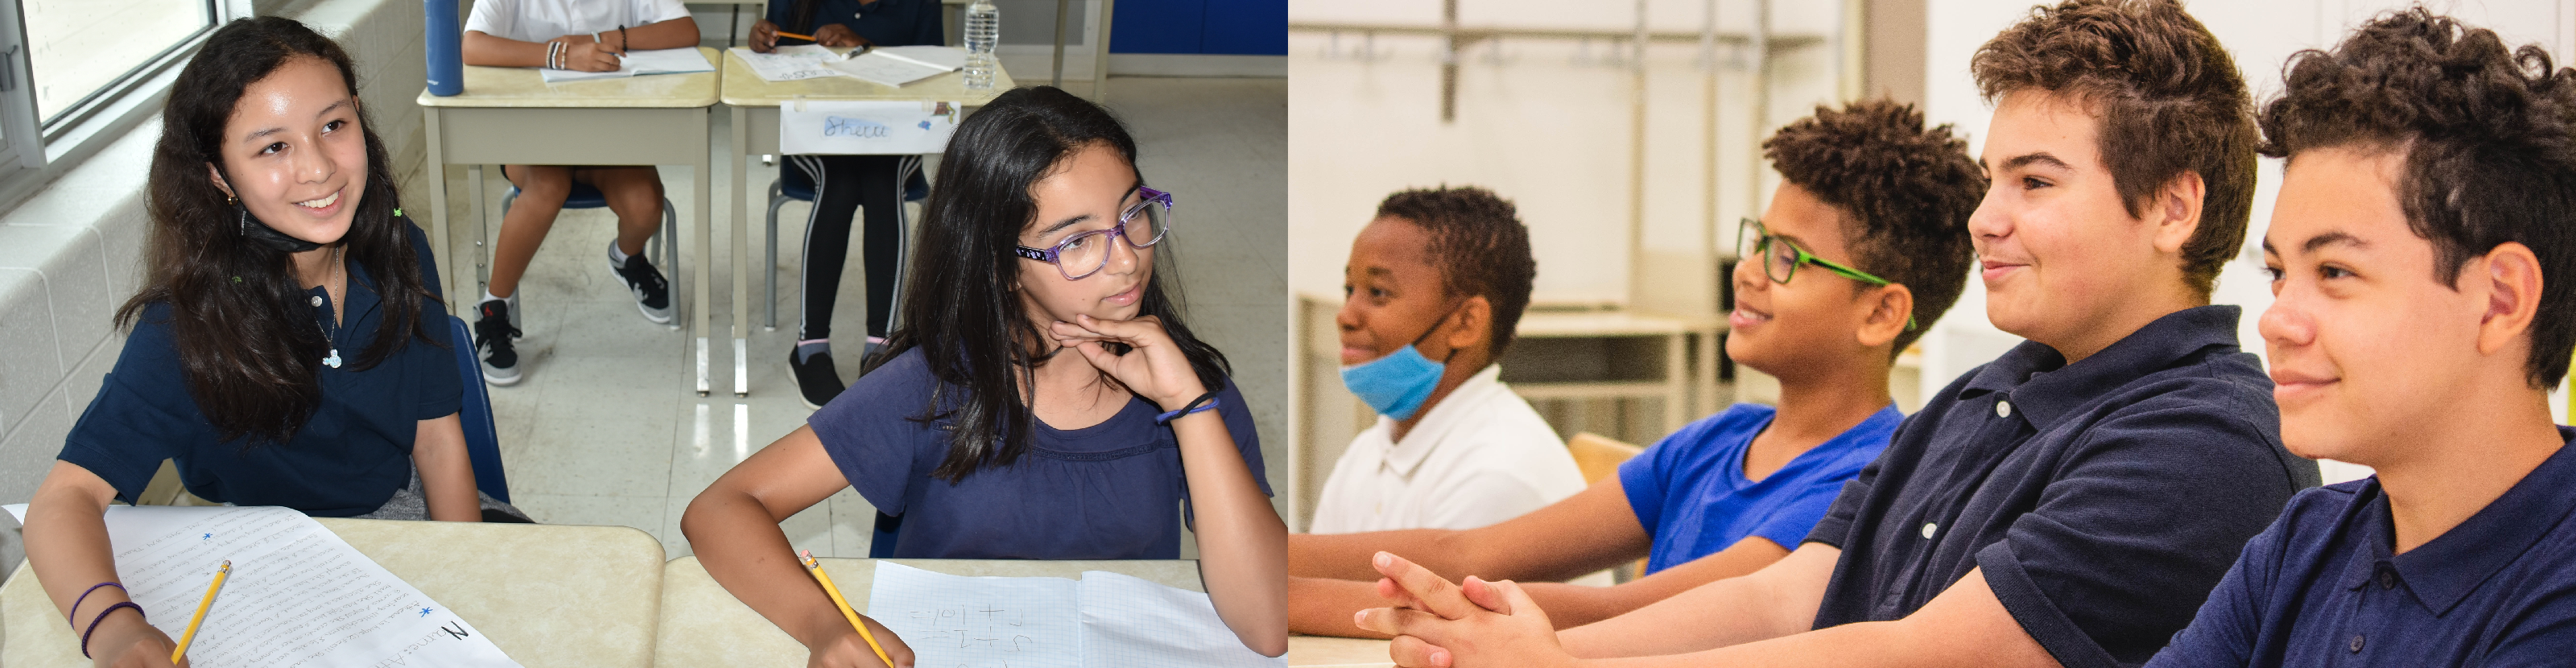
x,y
289,346
1041,398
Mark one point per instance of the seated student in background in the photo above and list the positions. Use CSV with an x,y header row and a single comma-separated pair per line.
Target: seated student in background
x,y
2070,503
845,185
1870,220
590,36
289,346
1043,399
1434,287
2421,254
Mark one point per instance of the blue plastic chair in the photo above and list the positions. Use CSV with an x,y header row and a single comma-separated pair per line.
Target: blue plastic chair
x,y
881,543
793,184
482,441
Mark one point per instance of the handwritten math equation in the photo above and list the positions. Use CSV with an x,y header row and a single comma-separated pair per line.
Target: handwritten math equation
x,y
983,634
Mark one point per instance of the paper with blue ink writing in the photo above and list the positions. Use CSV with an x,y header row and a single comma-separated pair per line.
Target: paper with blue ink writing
x,y
849,127
1104,620
298,596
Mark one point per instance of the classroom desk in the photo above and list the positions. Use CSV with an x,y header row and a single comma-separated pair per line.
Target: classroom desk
x,y
704,625
508,115
547,595
1324,652
755,132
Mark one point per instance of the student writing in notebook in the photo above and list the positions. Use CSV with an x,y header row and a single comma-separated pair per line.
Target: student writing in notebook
x,y
1864,245
586,35
289,346
846,186
1042,400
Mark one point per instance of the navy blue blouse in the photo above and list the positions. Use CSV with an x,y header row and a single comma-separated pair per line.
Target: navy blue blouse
x,y
1108,491
349,458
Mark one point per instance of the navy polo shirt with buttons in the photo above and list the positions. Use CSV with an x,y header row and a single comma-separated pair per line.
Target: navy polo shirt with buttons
x,y
2101,500
2323,586
346,460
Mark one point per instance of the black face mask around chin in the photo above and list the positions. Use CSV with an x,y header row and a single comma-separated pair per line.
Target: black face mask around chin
x,y
258,232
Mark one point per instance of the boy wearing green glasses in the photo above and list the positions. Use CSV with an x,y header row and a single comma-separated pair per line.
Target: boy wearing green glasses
x,y
1863,186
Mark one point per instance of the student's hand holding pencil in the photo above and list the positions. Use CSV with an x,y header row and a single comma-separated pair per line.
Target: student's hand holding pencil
x,y
849,650
123,640
581,53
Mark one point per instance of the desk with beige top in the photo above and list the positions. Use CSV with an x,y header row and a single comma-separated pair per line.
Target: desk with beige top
x,y
509,115
547,595
704,625
755,103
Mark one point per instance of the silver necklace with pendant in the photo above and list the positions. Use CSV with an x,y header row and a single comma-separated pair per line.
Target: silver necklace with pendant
x,y
331,335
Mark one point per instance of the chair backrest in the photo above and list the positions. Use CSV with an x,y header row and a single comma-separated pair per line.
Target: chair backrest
x,y
1599,456
482,439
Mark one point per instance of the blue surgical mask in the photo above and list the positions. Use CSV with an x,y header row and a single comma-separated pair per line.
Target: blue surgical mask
x,y
1396,385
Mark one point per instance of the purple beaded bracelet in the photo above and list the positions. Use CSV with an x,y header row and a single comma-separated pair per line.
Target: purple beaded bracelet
x,y
93,622
76,603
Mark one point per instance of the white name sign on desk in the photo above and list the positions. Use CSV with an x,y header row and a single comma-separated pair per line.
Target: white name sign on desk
x,y
865,128
297,596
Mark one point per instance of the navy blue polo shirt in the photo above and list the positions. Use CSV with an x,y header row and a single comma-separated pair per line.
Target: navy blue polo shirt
x,y
2322,587
345,461
882,23
2101,499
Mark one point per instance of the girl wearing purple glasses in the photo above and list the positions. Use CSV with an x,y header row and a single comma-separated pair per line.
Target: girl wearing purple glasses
x,y
1039,400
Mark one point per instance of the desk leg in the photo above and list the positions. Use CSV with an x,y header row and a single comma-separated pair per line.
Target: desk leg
x,y
482,236
438,242
1100,52
1677,383
704,256
741,261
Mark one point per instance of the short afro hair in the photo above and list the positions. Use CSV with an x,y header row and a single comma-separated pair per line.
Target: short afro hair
x,y
2169,99
1906,191
2489,139
1479,245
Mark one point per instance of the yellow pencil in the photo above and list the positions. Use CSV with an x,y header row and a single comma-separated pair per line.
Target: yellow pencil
x,y
202,604
784,33
806,557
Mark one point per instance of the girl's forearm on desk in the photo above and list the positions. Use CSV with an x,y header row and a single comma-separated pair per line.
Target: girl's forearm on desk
x,y
733,528
446,471
1243,546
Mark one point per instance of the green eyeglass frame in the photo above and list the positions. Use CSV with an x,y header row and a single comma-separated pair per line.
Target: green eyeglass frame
x,y
1756,243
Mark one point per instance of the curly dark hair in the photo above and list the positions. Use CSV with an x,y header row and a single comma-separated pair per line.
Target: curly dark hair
x,y
2169,99
2489,139
1907,190
1479,245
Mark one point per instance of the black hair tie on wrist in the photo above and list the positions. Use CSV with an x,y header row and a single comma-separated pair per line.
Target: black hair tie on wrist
x,y
1204,402
93,622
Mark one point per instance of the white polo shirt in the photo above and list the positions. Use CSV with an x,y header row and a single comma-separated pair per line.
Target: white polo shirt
x,y
1478,457
541,20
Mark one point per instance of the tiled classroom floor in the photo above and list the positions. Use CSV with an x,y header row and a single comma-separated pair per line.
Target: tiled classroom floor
x,y
605,428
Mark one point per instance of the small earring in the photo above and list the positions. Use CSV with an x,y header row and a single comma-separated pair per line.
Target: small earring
x,y
230,200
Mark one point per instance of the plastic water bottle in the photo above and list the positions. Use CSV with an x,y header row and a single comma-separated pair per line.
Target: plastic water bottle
x,y
446,61
983,34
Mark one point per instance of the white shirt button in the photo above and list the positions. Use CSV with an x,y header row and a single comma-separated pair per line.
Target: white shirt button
x,y
317,301
2003,408
1930,528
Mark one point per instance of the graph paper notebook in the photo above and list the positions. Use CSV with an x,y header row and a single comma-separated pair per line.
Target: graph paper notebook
x,y
1105,619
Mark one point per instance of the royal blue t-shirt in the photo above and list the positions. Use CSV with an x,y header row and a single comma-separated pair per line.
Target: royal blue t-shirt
x,y
346,460
1108,491
1690,493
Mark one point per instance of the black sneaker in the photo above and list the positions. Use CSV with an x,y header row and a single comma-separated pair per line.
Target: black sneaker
x,y
817,381
493,333
652,294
